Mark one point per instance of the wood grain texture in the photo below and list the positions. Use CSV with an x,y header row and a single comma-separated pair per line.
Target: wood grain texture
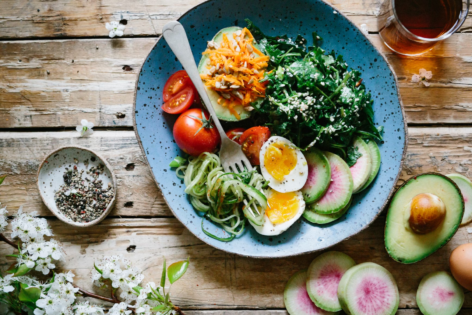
x,y
215,279
56,83
444,150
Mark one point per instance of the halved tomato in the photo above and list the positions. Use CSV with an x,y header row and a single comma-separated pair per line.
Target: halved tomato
x,y
251,142
176,83
180,102
235,134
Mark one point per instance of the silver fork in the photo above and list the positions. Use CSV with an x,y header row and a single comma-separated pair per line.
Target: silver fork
x,y
232,157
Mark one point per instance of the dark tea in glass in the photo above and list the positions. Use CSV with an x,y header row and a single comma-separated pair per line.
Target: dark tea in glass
x,y
412,27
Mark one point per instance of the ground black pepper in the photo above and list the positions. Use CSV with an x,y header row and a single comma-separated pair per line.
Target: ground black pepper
x,y
83,198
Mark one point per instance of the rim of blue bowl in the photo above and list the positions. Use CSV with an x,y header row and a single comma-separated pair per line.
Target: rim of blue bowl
x,y
392,190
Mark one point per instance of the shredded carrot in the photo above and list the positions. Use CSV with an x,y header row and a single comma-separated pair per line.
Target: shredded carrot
x,y
235,69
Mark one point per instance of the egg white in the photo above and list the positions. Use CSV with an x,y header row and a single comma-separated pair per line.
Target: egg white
x,y
268,228
293,181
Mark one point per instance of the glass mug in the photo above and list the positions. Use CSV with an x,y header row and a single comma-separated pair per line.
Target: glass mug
x,y
412,27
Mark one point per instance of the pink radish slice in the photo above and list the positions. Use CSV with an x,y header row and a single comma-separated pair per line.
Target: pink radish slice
x,y
371,290
319,176
363,167
439,294
296,298
324,275
339,191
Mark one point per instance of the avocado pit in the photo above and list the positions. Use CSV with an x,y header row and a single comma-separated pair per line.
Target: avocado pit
x,y
427,212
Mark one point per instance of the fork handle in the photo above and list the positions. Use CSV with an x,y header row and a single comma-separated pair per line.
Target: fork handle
x,y
176,38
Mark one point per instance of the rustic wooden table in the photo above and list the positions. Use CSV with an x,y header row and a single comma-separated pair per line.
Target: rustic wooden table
x,y
58,66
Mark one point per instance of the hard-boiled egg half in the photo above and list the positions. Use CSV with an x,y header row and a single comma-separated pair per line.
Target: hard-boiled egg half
x,y
283,209
283,165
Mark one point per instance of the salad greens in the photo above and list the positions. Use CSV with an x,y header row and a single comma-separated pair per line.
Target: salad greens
x,y
313,98
219,194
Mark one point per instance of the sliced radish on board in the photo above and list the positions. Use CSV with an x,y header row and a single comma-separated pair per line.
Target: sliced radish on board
x,y
296,299
339,192
363,167
368,289
439,294
323,276
466,189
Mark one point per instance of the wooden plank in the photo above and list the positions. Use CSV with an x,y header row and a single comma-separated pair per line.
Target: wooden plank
x,y
21,154
78,18
444,150
215,279
58,83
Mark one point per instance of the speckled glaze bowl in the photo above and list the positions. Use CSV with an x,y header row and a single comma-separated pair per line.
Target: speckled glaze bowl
x,y
154,128
50,178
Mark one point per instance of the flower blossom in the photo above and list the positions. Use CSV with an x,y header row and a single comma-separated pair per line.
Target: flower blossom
x,y
119,309
28,228
59,296
115,28
3,219
422,77
85,128
87,309
5,284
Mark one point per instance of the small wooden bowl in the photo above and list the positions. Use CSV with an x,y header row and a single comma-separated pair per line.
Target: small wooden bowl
x,y
50,178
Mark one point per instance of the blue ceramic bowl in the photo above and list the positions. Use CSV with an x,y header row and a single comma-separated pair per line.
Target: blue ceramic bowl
x,y
274,17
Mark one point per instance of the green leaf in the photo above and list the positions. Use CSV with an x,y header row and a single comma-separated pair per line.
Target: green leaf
x,y
159,308
177,270
163,277
31,294
22,270
137,289
2,178
96,268
352,155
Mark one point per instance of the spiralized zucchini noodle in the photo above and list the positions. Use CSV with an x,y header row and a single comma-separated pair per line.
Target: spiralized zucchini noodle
x,y
225,198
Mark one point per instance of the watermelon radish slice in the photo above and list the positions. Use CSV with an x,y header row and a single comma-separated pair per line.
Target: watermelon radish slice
x,y
339,192
296,299
323,277
319,218
363,167
466,189
439,294
342,287
370,290
375,155
319,176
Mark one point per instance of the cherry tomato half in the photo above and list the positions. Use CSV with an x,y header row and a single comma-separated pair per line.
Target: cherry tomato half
x,y
176,83
251,142
235,134
195,134
180,102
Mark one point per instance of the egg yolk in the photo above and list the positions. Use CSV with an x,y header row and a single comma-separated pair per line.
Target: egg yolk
x,y
282,207
279,160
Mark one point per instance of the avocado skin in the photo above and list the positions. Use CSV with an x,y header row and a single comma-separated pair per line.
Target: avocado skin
x,y
436,247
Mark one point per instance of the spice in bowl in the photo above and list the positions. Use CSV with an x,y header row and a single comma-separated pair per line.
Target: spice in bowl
x,y
83,198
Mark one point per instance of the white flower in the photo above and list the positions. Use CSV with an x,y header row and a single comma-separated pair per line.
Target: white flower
x,y
38,250
422,77
38,311
3,219
87,309
128,295
111,271
85,128
133,277
44,265
144,310
29,228
55,250
119,309
115,28
5,284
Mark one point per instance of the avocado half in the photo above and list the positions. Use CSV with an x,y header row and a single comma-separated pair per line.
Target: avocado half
x,y
222,112
404,245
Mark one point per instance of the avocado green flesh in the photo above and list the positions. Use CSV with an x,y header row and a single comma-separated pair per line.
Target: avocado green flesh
x,y
222,112
405,246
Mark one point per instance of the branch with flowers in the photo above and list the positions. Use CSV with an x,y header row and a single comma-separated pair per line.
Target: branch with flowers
x,y
21,292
